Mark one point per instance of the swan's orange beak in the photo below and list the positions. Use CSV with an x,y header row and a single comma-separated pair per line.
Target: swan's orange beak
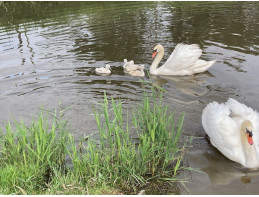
x,y
154,54
250,139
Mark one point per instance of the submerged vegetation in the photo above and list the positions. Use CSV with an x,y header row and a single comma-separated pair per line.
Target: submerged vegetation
x,y
45,159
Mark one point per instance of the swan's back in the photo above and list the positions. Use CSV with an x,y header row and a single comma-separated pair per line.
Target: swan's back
x,y
185,61
239,109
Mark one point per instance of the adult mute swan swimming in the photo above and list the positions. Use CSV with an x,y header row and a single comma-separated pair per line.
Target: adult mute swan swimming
x,y
103,70
183,61
233,128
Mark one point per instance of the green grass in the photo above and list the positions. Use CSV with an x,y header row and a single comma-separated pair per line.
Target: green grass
x,y
121,162
28,154
32,159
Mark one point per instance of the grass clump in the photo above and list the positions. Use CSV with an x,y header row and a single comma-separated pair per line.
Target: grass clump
x,y
159,137
118,160
33,159
28,154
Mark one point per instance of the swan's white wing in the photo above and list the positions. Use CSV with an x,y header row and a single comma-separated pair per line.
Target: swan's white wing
x,y
224,131
202,65
246,113
183,57
239,109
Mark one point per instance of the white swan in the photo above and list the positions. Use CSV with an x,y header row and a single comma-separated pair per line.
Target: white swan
x,y
139,72
103,70
183,61
233,128
130,66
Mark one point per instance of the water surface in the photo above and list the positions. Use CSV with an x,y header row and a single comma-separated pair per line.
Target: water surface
x,y
49,51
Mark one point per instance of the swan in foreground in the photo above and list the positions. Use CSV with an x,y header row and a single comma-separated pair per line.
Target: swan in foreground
x,y
130,66
103,70
233,129
139,72
183,61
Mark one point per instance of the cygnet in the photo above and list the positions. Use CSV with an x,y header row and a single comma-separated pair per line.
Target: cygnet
x,y
139,72
103,70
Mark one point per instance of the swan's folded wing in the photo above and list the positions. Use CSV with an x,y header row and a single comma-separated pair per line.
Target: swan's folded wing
x,y
202,66
239,109
223,131
183,57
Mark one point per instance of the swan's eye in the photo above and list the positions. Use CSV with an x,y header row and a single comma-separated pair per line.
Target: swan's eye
x,y
154,51
249,132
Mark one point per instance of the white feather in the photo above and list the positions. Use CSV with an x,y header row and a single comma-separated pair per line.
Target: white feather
x,y
222,123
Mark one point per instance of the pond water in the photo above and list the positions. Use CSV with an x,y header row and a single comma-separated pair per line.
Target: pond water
x,y
49,51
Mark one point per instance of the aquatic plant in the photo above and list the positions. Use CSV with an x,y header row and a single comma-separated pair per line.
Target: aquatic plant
x,y
33,159
28,154
119,160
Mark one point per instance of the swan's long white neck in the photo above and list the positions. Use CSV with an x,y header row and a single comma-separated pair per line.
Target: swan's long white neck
x,y
250,150
158,58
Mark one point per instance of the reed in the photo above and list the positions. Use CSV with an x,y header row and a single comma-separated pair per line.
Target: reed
x,y
118,160
28,154
33,159
159,137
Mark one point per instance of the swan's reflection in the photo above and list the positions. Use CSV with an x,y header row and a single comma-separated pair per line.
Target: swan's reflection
x,y
223,171
183,83
184,88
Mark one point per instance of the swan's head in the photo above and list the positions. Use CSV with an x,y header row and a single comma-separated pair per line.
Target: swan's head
x,y
158,48
107,66
247,128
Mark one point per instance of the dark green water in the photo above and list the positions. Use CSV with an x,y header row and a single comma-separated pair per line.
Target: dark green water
x,y
49,51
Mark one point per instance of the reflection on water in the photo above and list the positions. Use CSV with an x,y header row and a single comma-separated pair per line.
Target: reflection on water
x,y
218,175
49,51
223,171
185,89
